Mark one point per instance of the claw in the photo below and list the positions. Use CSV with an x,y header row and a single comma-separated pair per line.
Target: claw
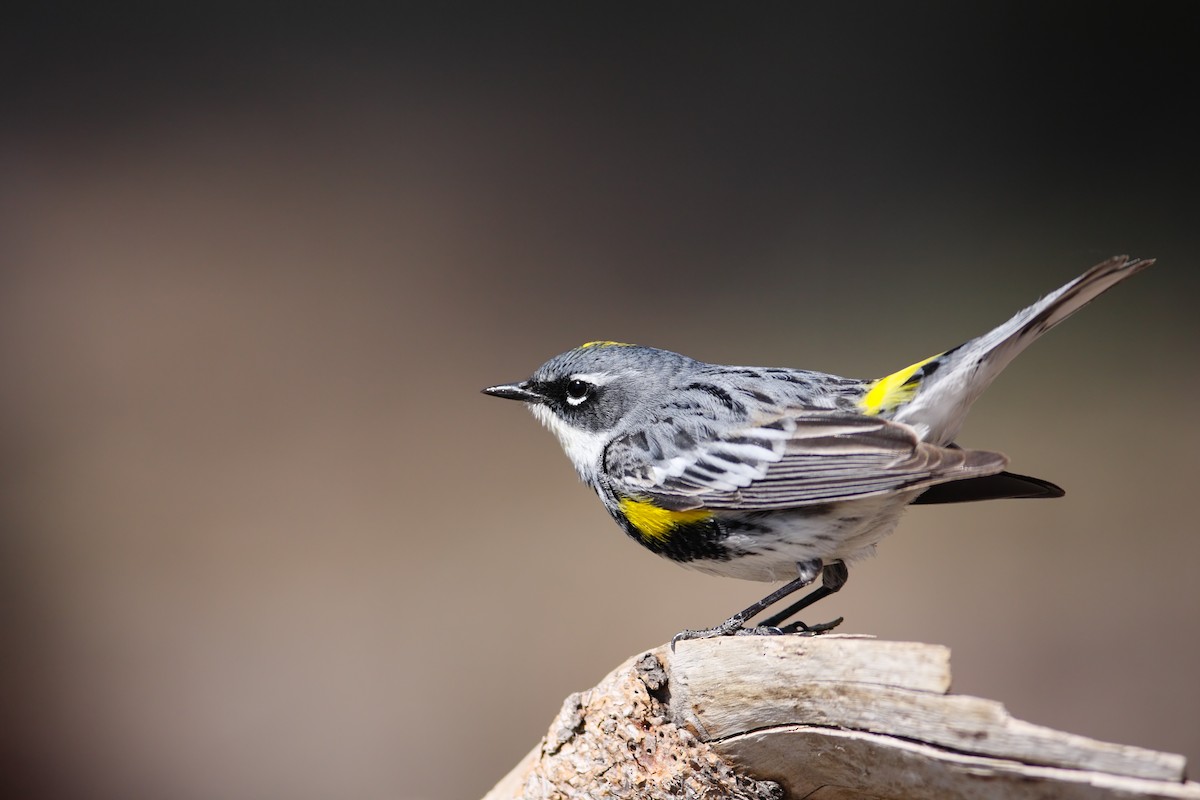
x,y
730,627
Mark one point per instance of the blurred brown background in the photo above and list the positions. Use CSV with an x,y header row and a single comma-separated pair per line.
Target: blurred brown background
x,y
262,536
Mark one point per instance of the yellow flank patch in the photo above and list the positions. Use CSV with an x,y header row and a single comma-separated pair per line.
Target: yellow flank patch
x,y
657,523
586,345
894,390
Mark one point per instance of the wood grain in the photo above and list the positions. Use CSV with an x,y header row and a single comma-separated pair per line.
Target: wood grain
x,y
826,717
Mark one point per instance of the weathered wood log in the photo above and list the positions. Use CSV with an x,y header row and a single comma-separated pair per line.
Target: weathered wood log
x,y
829,717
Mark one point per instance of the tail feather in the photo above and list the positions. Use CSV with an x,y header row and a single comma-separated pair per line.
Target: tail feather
x,y
955,379
989,487
1001,345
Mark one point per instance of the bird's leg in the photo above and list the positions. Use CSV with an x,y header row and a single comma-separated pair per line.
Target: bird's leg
x,y
833,577
737,623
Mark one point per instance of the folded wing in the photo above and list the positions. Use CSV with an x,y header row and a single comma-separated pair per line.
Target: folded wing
x,y
799,458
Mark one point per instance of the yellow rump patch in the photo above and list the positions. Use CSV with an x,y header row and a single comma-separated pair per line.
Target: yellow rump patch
x,y
894,390
586,345
657,523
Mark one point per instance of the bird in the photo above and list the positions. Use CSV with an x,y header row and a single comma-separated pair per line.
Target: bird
x,y
780,474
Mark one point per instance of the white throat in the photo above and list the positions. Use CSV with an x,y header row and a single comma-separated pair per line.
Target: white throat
x,y
584,448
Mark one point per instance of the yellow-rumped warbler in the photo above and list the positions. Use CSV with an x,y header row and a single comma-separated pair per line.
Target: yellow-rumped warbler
x,y
763,473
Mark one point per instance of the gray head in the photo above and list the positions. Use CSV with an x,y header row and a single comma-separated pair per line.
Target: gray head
x,y
592,393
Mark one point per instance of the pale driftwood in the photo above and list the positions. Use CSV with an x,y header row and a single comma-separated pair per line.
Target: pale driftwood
x,y
829,717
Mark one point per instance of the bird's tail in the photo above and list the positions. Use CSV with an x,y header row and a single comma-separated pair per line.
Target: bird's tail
x,y
934,395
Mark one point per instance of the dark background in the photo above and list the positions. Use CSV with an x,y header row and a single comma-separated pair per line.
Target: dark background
x,y
262,537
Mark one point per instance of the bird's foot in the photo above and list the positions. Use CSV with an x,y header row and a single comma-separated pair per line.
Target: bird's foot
x,y
734,626
759,630
810,630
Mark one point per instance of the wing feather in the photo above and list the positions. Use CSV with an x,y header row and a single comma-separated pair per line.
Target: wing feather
x,y
800,458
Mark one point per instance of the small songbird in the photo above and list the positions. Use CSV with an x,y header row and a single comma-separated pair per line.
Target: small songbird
x,y
772,473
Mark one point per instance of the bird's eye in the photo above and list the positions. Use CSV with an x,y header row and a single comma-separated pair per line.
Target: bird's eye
x,y
577,391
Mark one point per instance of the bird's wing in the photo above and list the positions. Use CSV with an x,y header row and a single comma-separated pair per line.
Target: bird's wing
x,y
799,458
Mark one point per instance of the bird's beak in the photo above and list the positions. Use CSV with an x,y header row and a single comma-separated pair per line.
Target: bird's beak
x,y
515,391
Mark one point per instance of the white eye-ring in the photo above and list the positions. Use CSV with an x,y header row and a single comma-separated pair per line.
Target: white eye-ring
x,y
577,391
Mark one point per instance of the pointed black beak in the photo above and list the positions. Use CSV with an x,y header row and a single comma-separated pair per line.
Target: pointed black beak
x,y
515,391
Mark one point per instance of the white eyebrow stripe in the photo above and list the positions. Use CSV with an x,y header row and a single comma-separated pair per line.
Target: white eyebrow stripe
x,y
594,378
